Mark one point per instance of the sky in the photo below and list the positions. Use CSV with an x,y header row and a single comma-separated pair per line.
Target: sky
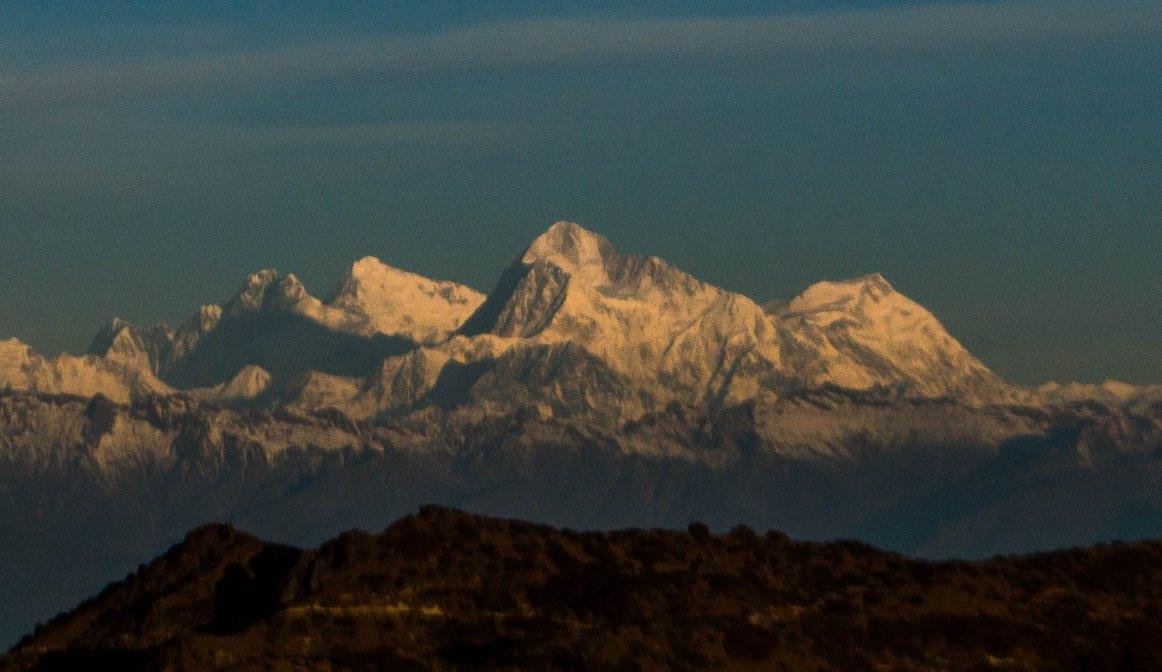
x,y
1000,162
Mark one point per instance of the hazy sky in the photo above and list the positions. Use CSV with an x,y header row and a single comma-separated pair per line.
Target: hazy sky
x,y
1001,163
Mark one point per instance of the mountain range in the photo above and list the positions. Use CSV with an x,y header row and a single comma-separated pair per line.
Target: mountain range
x,y
588,388
382,343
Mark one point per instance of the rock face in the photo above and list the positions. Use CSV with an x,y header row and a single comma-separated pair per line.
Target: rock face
x,y
447,590
589,389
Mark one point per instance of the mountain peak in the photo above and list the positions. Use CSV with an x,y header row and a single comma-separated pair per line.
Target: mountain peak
x,y
252,294
873,288
291,289
570,247
105,338
205,318
875,281
248,383
261,279
367,266
389,300
369,272
123,342
889,337
12,348
268,286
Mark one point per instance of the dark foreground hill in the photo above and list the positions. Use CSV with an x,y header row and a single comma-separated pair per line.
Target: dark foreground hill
x,y
450,590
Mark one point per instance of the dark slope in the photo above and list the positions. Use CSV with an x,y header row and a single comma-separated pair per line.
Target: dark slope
x,y
450,590
77,512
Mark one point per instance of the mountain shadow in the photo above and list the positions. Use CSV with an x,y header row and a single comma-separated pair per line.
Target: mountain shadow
x,y
283,343
488,314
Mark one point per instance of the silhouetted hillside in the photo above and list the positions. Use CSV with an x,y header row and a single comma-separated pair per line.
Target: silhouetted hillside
x,y
449,590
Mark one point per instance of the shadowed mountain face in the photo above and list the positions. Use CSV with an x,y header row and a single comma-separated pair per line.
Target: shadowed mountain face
x,y
448,590
284,344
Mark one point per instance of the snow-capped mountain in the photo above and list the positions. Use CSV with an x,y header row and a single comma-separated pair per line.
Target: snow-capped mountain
x,y
862,334
388,301
120,377
373,300
589,388
669,334
576,332
274,323
645,334
572,327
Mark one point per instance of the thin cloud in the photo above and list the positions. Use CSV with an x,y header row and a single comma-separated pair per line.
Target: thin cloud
x,y
928,29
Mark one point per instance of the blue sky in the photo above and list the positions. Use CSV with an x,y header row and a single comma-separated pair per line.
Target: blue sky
x,y
999,162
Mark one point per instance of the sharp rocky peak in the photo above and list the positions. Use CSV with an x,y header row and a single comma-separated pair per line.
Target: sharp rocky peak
x,y
587,258
291,290
123,342
572,248
253,293
268,287
204,319
107,338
